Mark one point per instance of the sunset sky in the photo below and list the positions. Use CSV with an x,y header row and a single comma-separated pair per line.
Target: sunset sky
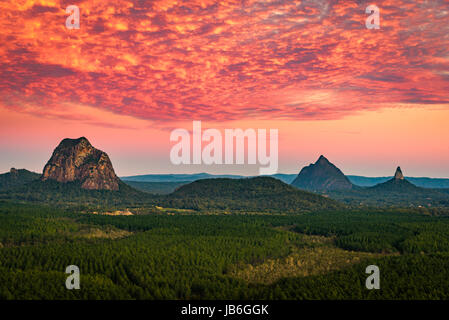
x,y
369,100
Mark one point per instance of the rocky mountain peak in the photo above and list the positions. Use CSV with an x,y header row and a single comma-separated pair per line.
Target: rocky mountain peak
x,y
398,174
320,176
72,142
78,160
398,184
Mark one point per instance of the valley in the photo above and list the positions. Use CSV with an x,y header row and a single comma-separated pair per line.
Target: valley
x,y
217,238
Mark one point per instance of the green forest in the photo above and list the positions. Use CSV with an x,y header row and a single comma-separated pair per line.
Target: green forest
x,y
159,254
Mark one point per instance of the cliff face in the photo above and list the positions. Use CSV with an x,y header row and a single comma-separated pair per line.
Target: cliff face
x,y
77,160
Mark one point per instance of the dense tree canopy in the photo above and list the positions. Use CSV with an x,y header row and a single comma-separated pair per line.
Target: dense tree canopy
x,y
190,256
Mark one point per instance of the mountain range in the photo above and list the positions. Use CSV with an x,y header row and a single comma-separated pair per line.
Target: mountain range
x,y
361,181
78,172
324,178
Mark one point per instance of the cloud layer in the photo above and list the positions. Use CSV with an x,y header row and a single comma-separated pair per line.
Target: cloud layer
x,y
227,60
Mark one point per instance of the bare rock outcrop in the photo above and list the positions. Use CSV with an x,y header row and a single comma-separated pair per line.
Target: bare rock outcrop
x,y
78,160
398,174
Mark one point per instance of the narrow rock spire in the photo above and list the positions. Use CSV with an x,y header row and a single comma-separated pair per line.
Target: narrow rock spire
x,y
398,175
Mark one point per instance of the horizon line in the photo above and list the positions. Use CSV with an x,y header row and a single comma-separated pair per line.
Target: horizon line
x,y
262,175
241,175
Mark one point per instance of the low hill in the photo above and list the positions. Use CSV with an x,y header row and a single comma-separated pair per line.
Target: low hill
x,y
156,187
260,194
17,177
72,194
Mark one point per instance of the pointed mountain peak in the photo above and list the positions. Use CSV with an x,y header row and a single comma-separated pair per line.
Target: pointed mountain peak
x,y
321,175
397,184
322,159
398,175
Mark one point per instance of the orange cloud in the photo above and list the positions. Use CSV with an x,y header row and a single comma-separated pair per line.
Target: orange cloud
x,y
145,66
225,60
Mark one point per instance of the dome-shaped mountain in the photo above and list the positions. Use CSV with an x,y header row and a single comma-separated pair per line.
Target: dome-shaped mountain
x,y
77,160
259,194
322,176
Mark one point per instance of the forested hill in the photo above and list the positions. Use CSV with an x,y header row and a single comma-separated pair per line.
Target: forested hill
x,y
71,194
260,194
16,177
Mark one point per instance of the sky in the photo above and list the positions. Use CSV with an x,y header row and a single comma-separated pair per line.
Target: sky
x,y
367,99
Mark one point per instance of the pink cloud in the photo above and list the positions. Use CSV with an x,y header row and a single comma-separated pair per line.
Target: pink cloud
x,y
225,61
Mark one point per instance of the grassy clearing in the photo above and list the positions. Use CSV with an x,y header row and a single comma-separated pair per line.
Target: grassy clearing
x,y
174,210
318,257
89,232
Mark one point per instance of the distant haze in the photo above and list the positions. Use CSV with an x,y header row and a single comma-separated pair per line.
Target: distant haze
x,y
287,178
